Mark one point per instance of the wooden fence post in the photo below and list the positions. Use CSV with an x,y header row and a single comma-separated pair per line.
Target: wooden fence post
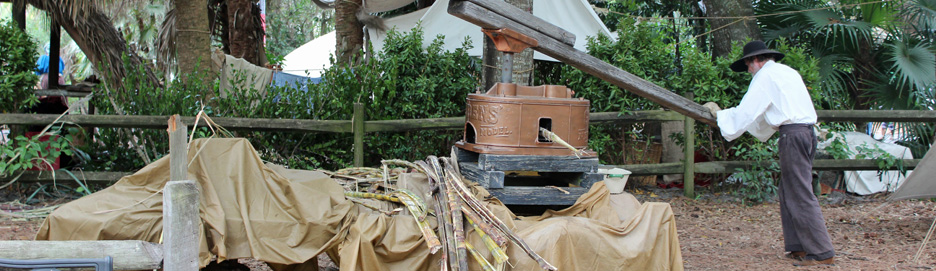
x,y
180,205
689,160
357,126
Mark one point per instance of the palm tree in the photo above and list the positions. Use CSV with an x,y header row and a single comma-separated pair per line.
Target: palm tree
x,y
192,43
731,31
866,52
349,32
875,55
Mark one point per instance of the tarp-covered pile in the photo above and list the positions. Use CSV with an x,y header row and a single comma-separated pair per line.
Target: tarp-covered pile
x,y
284,216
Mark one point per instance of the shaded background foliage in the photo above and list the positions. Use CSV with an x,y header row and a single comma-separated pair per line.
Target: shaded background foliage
x,y
404,81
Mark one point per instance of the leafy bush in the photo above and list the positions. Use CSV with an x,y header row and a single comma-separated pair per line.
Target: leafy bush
x,y
17,79
17,66
404,81
758,183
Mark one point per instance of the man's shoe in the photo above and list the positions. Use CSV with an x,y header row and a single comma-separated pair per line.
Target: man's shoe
x,y
795,255
811,262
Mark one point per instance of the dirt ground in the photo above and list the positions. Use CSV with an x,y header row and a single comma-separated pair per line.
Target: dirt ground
x,y
718,233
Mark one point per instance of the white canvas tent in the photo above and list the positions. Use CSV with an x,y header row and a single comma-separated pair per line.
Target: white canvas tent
x,y
921,184
866,182
575,16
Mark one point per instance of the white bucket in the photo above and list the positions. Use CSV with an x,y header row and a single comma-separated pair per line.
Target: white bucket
x,y
615,179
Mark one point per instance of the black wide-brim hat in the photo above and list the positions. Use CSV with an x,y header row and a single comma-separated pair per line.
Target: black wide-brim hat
x,y
752,49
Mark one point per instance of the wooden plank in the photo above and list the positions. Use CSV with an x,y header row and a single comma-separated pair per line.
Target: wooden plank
x,y
634,116
689,157
180,226
65,176
819,164
178,149
533,195
344,126
651,169
485,18
357,125
876,115
689,149
526,18
159,122
452,123
128,255
487,179
541,163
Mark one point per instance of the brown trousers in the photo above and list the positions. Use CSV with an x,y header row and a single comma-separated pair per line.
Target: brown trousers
x,y
804,227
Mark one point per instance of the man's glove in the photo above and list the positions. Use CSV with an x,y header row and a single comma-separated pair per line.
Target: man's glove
x,y
712,107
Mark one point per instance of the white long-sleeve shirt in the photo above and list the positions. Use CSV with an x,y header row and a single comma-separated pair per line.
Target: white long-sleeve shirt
x,y
777,96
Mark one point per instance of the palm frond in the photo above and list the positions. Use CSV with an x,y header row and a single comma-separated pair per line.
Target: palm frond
x,y
888,95
165,51
921,15
913,64
834,80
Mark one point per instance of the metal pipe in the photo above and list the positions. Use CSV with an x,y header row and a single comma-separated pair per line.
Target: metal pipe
x,y
507,68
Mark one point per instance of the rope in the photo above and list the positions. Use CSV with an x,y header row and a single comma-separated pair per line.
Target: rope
x,y
929,233
193,30
514,72
741,18
751,17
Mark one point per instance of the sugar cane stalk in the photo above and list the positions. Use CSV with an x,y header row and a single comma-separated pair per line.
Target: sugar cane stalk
x,y
365,195
485,265
555,138
457,184
458,224
500,256
461,252
444,216
419,214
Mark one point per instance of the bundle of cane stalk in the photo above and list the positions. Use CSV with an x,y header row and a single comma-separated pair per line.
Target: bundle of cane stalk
x,y
454,204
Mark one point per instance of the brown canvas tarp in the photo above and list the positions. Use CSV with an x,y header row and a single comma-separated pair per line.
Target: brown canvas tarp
x,y
283,216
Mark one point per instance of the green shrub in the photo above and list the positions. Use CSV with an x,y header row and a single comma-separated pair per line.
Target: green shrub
x,y
17,67
404,81
17,80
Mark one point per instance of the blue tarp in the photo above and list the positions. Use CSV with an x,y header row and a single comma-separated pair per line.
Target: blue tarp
x,y
284,79
281,79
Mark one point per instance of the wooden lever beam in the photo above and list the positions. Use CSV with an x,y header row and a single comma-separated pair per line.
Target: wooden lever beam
x,y
525,18
472,12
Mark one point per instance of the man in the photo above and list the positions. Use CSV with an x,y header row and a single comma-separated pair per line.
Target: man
x,y
777,99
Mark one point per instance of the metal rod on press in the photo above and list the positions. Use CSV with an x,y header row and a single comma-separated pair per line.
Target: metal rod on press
x,y
507,68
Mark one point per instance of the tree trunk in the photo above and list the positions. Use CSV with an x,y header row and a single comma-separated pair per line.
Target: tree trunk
x,y
522,62
96,36
349,32
193,42
243,25
725,38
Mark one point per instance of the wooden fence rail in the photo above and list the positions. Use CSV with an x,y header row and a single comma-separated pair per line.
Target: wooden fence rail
x,y
453,123
344,126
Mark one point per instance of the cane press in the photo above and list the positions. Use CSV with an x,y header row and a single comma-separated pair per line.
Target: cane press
x,y
540,132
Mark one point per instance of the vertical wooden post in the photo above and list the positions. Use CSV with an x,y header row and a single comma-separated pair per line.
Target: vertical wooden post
x,y
357,126
689,160
180,205
178,149
19,13
55,37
